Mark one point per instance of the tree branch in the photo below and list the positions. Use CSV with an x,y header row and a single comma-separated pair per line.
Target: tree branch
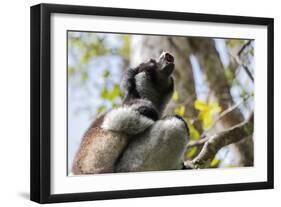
x,y
237,59
197,143
244,47
216,142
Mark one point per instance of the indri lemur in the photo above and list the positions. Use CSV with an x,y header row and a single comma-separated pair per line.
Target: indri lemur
x,y
135,137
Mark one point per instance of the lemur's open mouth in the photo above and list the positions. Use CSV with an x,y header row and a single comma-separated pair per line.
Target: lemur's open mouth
x,y
169,58
167,63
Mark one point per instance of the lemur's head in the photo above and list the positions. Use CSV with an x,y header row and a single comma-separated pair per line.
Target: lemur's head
x,y
151,80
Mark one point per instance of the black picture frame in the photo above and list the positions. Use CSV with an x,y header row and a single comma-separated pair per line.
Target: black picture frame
x,y
41,99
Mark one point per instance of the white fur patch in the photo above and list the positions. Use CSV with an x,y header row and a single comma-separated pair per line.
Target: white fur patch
x,y
171,128
126,120
175,125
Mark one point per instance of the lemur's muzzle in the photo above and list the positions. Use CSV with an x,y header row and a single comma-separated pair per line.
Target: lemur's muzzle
x,y
166,61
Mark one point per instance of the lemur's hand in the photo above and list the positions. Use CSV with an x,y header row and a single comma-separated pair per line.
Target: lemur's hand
x,y
145,108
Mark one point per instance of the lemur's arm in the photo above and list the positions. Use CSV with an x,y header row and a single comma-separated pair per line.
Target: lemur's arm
x,y
130,119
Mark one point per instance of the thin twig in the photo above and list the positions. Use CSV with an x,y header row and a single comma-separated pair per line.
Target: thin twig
x,y
197,143
237,59
244,47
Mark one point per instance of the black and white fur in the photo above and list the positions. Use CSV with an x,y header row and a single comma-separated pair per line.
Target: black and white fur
x,y
133,137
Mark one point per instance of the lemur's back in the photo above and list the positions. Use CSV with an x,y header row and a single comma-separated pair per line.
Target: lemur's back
x,y
98,150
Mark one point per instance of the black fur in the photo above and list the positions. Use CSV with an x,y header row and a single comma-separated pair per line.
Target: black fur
x,y
171,88
186,167
130,84
148,112
145,108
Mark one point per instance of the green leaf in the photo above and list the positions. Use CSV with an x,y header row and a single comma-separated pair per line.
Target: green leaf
x,y
200,105
206,111
84,76
180,110
101,108
235,43
243,93
106,74
191,152
115,91
98,48
104,93
206,118
76,42
85,58
111,94
193,132
125,49
215,163
114,105
71,71
175,96
229,75
215,107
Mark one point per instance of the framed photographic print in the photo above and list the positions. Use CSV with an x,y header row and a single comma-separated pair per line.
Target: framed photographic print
x,y
133,103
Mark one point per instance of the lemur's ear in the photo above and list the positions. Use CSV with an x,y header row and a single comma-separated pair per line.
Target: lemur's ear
x,y
128,84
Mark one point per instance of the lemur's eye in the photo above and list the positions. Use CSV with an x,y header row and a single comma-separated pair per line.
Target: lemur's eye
x,y
148,67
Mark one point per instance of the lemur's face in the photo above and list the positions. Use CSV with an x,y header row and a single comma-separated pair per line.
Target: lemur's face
x,y
154,76
152,80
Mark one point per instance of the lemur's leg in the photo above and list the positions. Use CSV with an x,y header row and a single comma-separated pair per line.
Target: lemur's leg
x,y
98,151
103,145
161,147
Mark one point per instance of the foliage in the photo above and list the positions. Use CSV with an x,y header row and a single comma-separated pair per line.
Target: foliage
x,y
191,152
175,96
215,163
193,132
86,50
180,110
206,111
109,94
125,49
235,43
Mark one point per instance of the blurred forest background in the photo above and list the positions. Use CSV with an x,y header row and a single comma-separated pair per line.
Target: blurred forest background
x,y
214,87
